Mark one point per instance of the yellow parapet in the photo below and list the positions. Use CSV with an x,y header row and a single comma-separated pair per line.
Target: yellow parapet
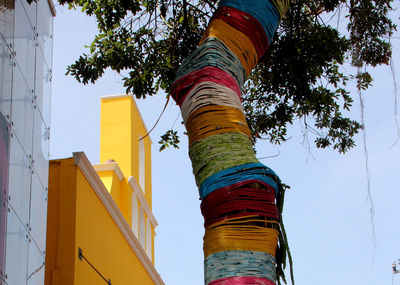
x,y
121,130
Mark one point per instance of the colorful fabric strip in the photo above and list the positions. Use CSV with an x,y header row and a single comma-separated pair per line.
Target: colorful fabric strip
x,y
235,40
263,10
219,152
282,6
185,84
238,234
238,192
224,202
245,23
264,220
239,174
226,264
213,52
244,280
215,119
209,93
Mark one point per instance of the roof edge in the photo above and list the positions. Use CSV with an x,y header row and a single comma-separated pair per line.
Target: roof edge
x,y
113,166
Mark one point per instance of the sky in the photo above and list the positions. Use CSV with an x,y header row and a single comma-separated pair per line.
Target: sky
x,y
327,210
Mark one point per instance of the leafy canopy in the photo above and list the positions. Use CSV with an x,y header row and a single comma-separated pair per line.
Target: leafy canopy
x,y
300,77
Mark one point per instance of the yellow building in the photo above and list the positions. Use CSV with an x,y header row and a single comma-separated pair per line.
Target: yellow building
x,y
100,226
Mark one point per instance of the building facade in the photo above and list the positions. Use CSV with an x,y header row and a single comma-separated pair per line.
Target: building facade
x,y
26,40
100,227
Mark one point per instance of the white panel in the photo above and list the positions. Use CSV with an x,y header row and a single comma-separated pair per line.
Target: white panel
x,y
142,228
148,238
135,215
6,70
35,266
17,251
38,213
142,174
20,174
41,143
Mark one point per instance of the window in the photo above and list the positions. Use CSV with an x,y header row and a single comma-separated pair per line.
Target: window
x,y
142,174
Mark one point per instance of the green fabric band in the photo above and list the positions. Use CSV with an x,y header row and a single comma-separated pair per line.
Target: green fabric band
x,y
220,152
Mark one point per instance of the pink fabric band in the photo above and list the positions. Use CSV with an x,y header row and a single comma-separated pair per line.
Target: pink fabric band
x,y
244,280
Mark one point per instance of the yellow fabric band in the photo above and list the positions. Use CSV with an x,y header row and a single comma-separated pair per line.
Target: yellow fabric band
x,y
234,235
235,40
215,119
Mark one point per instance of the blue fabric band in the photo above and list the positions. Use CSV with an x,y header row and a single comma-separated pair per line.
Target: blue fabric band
x,y
263,10
240,173
213,52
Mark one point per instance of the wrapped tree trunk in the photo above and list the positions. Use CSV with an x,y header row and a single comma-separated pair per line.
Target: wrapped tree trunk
x,y
239,194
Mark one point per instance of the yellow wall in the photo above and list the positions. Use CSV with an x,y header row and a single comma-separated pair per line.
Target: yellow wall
x,y
115,135
122,193
119,191
77,218
103,243
61,217
125,204
121,127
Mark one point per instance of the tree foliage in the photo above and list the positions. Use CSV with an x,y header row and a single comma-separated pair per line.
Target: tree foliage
x,y
301,77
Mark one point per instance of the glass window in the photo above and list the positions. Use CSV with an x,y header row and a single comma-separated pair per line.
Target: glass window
x,y
135,215
19,180
24,44
35,266
30,9
3,221
142,172
38,215
6,70
45,31
40,151
43,77
7,21
17,240
22,111
4,157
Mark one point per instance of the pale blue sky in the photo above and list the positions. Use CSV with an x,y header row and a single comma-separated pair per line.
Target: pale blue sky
x,y
326,214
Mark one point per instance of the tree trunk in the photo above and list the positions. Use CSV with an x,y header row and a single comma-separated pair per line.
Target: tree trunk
x,y
238,193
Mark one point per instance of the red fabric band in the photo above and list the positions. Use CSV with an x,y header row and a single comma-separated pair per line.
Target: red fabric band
x,y
226,202
183,85
246,24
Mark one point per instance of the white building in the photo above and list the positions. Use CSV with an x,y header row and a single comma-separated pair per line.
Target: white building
x,y
26,42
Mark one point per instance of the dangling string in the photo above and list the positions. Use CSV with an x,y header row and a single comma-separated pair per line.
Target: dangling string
x,y
159,117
